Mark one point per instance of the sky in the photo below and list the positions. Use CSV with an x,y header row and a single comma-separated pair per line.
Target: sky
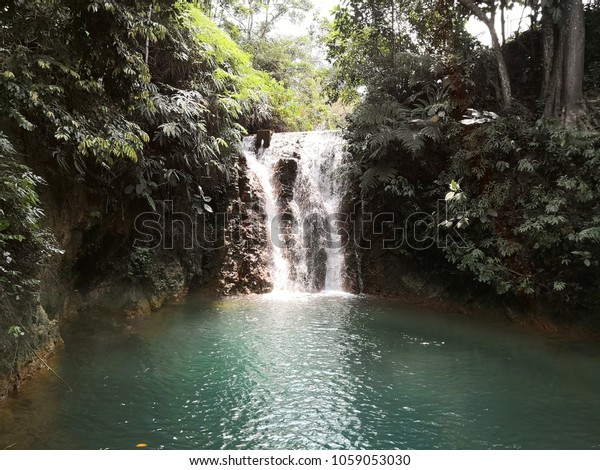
x,y
322,7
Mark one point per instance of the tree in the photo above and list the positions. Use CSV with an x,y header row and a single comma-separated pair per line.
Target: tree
x,y
366,45
563,27
490,23
255,19
563,44
291,62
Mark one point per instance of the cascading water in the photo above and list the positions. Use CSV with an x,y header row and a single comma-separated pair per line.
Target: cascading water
x,y
302,198
280,269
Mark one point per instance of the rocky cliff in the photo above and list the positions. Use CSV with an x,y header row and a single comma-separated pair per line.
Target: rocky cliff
x,y
104,265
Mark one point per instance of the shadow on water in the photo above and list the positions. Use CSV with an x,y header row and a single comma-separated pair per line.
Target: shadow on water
x,y
310,372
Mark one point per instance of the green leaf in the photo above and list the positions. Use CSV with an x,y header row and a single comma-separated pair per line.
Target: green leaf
x,y
151,203
16,331
559,286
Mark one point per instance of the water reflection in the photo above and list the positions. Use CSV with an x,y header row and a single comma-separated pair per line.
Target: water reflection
x,y
302,392
310,372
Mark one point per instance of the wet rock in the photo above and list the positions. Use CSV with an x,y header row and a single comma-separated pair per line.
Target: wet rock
x,y
285,173
18,364
246,261
317,270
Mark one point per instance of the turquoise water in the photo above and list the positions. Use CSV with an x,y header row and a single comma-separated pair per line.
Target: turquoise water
x,y
310,372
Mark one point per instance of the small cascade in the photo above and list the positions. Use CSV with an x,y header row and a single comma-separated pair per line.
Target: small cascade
x,y
280,269
298,173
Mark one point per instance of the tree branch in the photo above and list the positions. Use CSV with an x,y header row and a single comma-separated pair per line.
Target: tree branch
x,y
478,12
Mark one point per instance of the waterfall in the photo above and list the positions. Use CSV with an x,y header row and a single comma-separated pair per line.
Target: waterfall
x,y
298,173
280,269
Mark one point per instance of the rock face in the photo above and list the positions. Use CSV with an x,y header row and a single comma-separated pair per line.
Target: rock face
x,y
263,139
246,258
22,357
317,265
219,252
102,269
285,175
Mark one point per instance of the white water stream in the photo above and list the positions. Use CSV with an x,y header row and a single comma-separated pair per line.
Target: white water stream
x,y
306,245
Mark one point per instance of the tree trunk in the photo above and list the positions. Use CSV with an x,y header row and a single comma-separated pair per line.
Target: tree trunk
x,y
148,38
564,56
265,26
553,99
503,21
394,33
548,52
502,68
552,87
574,57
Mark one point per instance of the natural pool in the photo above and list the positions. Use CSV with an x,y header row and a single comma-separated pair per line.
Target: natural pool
x,y
310,372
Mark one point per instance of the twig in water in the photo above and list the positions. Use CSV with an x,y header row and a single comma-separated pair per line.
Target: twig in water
x,y
37,355
48,366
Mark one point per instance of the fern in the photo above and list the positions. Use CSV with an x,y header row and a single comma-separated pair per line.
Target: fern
x,y
383,172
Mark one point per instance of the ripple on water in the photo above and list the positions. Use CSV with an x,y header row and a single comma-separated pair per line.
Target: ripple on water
x,y
311,372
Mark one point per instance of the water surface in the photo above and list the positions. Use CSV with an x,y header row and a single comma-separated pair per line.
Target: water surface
x,y
310,372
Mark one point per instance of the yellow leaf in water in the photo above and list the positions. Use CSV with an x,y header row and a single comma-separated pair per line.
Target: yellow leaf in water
x,y
142,446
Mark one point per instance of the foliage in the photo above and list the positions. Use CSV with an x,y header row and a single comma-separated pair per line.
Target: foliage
x,y
523,196
134,102
15,331
21,240
115,83
250,20
533,204
288,94
291,61
77,96
519,197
